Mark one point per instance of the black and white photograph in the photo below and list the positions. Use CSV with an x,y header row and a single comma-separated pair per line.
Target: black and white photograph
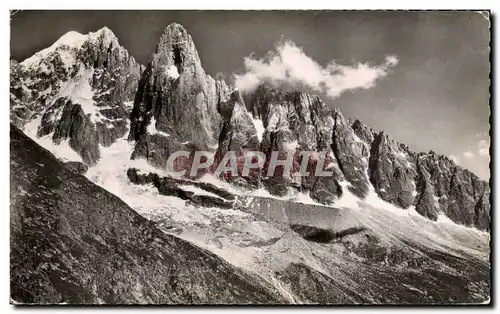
x,y
250,157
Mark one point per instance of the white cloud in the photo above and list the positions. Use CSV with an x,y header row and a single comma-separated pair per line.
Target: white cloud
x,y
288,64
483,144
468,154
484,151
483,147
454,158
476,159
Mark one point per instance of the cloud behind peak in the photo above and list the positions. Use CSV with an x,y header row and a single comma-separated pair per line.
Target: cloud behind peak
x,y
289,65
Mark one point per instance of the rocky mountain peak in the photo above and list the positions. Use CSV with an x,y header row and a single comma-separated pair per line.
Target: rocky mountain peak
x,y
173,34
175,48
362,131
176,97
106,33
69,44
78,89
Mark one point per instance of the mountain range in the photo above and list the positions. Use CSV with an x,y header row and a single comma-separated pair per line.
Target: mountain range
x,y
390,226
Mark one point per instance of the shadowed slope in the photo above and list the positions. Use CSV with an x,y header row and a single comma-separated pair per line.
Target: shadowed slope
x,y
74,242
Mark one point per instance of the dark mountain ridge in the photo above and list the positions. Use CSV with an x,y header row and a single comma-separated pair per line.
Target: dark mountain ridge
x,y
74,242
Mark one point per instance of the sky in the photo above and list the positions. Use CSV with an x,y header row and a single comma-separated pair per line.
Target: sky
x,y
423,77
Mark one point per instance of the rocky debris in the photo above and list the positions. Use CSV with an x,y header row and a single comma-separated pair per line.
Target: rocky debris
x,y
391,275
78,167
73,242
174,187
314,234
312,286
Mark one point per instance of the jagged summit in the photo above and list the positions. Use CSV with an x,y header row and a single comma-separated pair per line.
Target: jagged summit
x,y
176,94
71,41
175,50
174,35
77,90
176,29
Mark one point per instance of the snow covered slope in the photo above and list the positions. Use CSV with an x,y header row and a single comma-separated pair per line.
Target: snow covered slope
x,y
75,91
255,235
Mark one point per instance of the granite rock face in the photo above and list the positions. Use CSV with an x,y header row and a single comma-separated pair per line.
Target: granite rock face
x,y
175,95
77,127
238,131
392,171
364,160
19,112
453,191
293,122
352,155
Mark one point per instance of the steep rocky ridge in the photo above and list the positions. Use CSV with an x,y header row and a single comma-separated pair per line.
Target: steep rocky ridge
x,y
175,98
267,119
369,160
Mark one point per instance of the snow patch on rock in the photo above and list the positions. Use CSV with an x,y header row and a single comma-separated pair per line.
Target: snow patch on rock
x,y
69,42
62,150
80,92
259,126
172,72
71,39
152,128
305,198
